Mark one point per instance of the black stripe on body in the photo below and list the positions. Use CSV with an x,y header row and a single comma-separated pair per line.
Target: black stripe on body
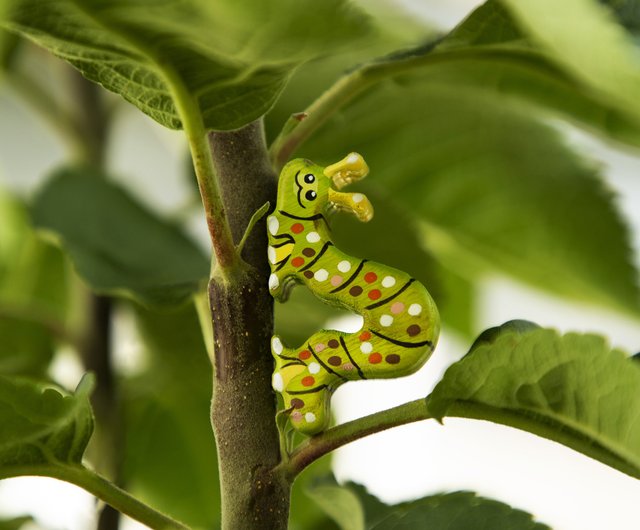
x,y
344,347
284,243
282,263
294,359
299,218
324,365
288,237
318,256
351,278
310,391
403,343
397,293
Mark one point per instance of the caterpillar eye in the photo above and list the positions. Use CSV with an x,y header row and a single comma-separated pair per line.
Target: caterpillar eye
x,y
310,195
309,178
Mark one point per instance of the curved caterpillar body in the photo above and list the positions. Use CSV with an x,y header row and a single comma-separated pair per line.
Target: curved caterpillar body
x,y
401,322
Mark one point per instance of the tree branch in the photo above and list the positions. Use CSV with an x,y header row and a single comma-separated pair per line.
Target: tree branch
x,y
187,106
318,446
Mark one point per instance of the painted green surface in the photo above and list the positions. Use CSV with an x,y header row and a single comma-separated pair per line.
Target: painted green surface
x,y
401,322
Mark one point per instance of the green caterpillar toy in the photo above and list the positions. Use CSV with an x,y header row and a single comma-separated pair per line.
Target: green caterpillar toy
x,y
401,321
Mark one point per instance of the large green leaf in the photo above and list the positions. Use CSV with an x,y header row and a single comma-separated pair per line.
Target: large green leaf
x,y
457,511
583,37
233,57
494,188
40,425
570,388
495,52
117,245
356,509
170,455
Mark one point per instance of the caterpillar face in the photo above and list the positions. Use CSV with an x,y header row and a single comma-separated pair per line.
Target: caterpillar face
x,y
306,189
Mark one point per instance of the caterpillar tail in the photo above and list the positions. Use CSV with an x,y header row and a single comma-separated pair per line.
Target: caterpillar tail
x,y
306,396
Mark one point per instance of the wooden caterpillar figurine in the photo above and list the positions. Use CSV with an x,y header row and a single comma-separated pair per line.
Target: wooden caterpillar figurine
x,y
401,322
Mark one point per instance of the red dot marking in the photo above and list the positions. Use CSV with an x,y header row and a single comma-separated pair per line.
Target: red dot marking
x,y
365,335
370,277
297,262
308,380
375,358
304,354
297,228
374,294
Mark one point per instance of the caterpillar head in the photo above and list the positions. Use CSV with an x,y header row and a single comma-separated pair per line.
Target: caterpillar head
x,y
306,189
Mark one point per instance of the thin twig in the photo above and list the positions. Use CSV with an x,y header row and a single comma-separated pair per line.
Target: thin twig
x,y
318,446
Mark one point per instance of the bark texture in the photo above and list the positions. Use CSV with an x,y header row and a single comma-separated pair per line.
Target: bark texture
x,y
243,411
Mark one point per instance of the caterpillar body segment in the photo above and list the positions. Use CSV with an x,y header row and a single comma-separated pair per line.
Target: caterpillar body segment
x,y
401,322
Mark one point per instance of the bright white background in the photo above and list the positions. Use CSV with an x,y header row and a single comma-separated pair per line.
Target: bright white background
x,y
560,487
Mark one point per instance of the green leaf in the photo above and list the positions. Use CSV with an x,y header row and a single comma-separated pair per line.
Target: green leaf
x,y
572,388
170,448
457,511
33,294
15,523
353,507
583,37
233,57
341,504
627,12
493,188
42,425
117,245
494,53
306,513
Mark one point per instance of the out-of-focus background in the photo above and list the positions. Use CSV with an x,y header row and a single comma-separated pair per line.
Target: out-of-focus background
x,y
562,488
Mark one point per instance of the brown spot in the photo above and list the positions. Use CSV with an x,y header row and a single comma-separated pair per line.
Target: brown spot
x,y
334,361
309,252
393,358
356,290
413,330
333,343
297,403
308,274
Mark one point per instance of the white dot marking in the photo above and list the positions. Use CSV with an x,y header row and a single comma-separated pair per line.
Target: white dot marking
x,y
388,281
386,320
273,224
276,345
321,275
314,368
344,266
313,237
271,254
366,347
310,417
273,282
277,383
414,309
353,158
357,197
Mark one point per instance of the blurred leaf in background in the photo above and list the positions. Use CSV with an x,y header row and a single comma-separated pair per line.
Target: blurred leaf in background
x,y
34,294
117,245
232,57
170,453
